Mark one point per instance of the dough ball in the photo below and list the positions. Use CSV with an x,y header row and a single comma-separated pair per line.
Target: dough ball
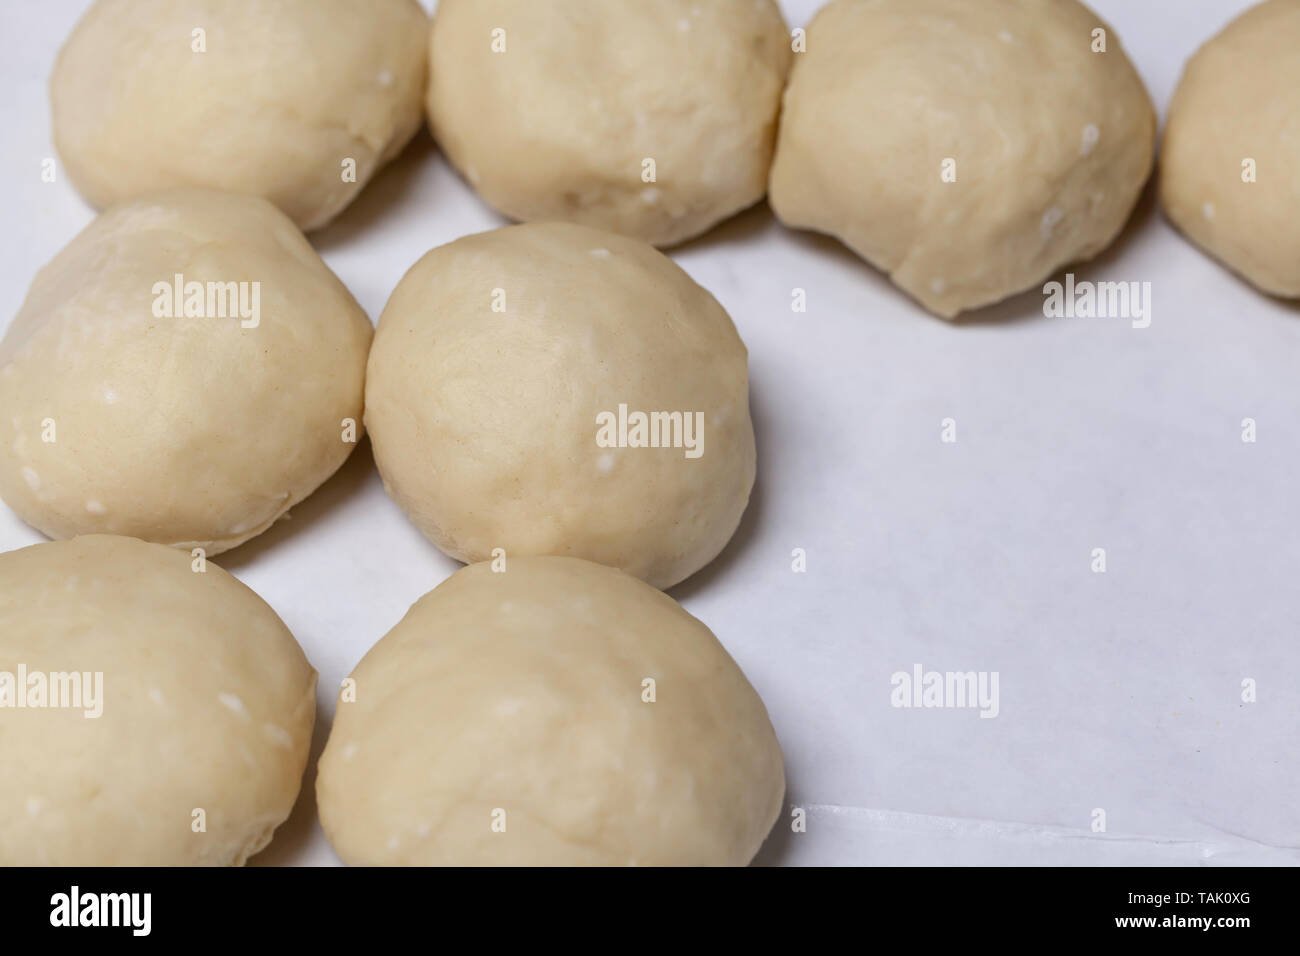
x,y
1230,166
968,149
503,391
166,692
255,97
518,700
128,409
552,108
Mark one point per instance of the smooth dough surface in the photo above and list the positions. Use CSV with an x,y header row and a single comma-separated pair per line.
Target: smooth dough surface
x,y
1050,142
484,423
281,95
516,698
206,703
558,124
189,431
1236,113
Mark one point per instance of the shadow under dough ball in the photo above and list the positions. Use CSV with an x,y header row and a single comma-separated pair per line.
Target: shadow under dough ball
x,y
967,149
554,389
182,372
166,714
555,713
297,101
650,118
1230,164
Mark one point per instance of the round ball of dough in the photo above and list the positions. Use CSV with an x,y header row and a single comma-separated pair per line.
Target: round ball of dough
x,y
194,418
135,692
1230,166
560,713
297,101
552,389
654,119
967,149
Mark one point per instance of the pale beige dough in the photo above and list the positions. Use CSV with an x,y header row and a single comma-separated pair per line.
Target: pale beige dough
x,y
518,698
1236,112
189,431
559,124
485,423
205,702
1051,142
283,94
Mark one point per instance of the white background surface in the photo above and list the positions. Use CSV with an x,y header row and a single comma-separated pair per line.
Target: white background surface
x,y
1119,691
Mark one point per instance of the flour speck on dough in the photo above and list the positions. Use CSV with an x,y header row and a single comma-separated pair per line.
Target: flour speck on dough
x,y
1091,136
233,704
1050,220
278,735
